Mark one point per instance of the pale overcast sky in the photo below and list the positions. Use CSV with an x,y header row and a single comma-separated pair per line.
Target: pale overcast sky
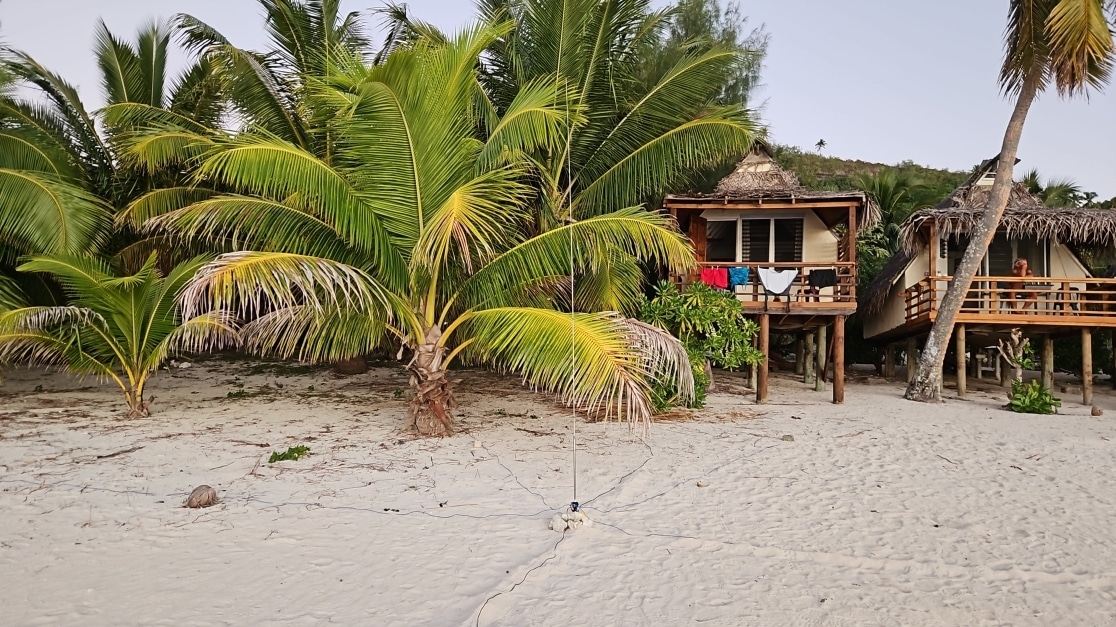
x,y
879,80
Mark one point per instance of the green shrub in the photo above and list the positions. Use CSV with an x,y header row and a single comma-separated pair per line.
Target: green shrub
x,y
1033,398
707,321
711,325
664,393
292,454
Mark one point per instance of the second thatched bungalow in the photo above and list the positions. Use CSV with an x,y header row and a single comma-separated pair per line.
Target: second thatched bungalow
x,y
1056,296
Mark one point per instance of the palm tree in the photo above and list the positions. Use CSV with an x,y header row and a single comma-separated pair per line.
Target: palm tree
x,y
1064,43
897,195
634,136
411,230
820,145
1058,193
60,178
119,327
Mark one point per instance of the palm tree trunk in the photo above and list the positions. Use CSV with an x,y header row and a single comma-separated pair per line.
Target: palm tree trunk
x,y
926,384
432,400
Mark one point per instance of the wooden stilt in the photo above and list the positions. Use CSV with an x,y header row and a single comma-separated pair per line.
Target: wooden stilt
x,y
765,364
997,370
1005,372
978,364
809,359
959,338
889,361
799,355
819,360
912,357
1048,362
839,359
1086,366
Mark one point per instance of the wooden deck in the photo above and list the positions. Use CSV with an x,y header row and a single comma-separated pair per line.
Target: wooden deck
x,y
1040,304
801,305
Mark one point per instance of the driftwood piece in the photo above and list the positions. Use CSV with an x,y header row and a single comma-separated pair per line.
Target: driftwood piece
x,y
1013,351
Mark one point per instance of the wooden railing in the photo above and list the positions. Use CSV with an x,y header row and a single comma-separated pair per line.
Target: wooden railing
x,y
801,292
1045,297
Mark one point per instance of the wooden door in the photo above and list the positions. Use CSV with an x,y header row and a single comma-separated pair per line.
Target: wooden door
x,y
698,237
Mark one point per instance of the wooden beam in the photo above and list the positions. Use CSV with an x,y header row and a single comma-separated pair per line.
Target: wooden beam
x,y
959,336
799,354
889,361
839,359
1086,366
1048,362
852,235
1005,371
819,359
765,363
912,357
809,371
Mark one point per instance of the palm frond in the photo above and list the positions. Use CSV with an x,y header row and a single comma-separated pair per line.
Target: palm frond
x,y
1081,47
43,214
588,360
631,231
254,283
315,336
651,168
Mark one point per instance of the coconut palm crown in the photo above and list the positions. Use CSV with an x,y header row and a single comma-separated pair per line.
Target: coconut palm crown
x,y
406,229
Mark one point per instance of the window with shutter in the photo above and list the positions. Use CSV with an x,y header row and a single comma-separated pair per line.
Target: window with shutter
x,y
755,240
788,240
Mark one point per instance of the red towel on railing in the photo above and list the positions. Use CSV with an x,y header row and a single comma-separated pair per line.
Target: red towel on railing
x,y
715,277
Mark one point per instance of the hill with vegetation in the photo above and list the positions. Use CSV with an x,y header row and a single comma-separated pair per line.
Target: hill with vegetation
x,y
817,171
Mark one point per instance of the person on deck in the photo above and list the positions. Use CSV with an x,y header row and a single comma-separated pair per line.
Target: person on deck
x,y
1022,270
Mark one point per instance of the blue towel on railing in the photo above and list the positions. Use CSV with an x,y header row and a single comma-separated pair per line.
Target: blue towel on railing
x,y
738,276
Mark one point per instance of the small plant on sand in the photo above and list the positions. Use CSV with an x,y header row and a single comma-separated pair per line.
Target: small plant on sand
x,y
1033,398
292,454
116,326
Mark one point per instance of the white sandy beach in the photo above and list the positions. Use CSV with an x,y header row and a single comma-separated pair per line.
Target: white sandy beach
x,y
879,512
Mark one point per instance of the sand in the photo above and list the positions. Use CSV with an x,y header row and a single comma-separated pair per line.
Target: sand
x,y
878,512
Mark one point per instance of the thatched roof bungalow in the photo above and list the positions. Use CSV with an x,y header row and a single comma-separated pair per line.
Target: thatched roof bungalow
x,y
761,222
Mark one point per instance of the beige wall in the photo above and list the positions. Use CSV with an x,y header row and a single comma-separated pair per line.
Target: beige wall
x,y
894,312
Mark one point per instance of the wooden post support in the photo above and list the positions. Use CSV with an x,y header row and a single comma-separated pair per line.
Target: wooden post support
x,y
809,373
1086,366
765,363
889,361
1114,358
912,357
1005,371
799,354
819,360
839,359
978,364
959,336
1048,362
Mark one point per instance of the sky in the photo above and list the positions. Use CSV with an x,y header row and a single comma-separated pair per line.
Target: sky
x,y
878,80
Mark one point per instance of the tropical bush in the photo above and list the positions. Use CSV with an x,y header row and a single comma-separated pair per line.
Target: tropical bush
x,y
1033,398
711,325
116,326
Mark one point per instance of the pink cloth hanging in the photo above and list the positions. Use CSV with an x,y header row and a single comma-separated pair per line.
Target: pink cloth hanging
x,y
715,277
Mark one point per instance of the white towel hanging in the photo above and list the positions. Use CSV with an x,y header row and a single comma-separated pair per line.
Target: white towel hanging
x,y
777,281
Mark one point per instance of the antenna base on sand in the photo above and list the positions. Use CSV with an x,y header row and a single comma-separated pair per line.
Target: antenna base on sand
x,y
572,518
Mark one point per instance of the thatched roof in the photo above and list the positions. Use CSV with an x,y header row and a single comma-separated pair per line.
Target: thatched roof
x,y
758,177
1025,218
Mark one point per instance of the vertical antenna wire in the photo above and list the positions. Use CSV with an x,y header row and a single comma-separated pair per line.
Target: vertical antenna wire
x,y
570,223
